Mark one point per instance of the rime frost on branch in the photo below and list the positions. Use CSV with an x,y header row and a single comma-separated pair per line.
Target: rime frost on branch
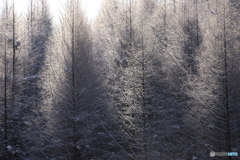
x,y
31,77
9,147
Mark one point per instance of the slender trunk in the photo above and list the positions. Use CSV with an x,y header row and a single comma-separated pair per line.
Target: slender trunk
x,y
31,14
43,5
143,97
5,91
197,30
73,85
227,121
188,20
174,5
14,62
165,25
184,13
13,59
130,23
5,101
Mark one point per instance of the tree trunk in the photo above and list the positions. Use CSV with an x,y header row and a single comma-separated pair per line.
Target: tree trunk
x,y
226,92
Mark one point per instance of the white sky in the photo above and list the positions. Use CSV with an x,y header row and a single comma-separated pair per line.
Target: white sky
x,y
91,7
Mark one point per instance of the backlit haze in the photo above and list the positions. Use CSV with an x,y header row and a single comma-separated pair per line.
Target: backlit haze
x,y
90,7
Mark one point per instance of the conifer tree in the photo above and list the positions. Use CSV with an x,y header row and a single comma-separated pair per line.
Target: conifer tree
x,y
70,87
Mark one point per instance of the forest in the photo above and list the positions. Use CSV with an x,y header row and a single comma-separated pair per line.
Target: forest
x,y
146,80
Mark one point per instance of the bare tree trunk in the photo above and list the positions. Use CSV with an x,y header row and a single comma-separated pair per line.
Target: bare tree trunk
x,y
13,58
144,115
73,84
130,25
5,100
197,21
174,3
226,92
5,91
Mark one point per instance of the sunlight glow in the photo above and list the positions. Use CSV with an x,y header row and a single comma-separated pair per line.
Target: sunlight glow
x,y
90,7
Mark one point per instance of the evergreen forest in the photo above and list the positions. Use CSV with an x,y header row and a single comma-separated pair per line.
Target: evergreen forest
x,y
146,80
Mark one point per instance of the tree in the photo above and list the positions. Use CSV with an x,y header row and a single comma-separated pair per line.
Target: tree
x,y
148,80
38,31
70,87
169,81
138,91
209,93
12,60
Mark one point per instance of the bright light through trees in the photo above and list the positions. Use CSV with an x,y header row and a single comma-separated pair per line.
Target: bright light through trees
x,y
119,79
91,7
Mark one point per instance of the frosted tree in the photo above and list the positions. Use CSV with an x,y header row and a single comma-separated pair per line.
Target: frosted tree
x,y
169,80
211,90
137,77
12,60
38,30
233,72
70,88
